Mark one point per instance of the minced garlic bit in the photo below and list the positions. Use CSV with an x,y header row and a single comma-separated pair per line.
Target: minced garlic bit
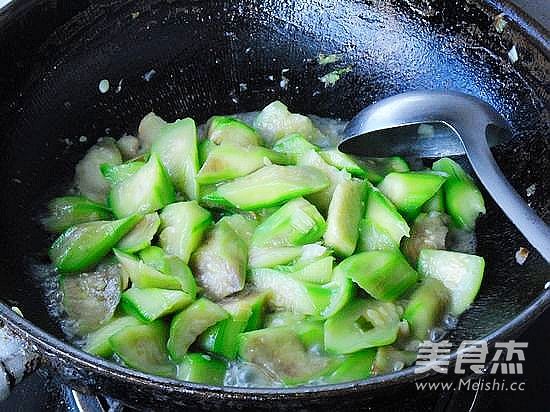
x,y
513,54
104,86
17,310
521,255
328,58
149,75
500,22
531,190
331,78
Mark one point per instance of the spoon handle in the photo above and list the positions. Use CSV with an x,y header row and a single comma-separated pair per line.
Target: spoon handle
x,y
535,230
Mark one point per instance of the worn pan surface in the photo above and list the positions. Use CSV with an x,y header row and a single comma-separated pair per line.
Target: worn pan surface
x,y
54,53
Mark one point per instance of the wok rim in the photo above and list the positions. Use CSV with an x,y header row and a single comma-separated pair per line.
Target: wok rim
x,y
43,341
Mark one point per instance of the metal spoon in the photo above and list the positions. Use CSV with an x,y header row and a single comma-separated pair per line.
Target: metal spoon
x,y
457,123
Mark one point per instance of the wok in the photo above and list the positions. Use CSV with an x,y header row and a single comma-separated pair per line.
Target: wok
x,y
54,54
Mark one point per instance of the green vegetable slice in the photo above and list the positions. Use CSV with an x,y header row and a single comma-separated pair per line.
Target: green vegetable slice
x,y
152,304
97,342
91,298
294,146
228,162
341,290
219,264
383,274
343,161
381,211
144,276
84,245
426,307
272,256
154,256
246,313
460,273
296,223
378,167
463,200
355,366
146,191
281,352
243,226
344,214
318,271
275,121
183,225
436,203
374,237
204,148
115,174
176,147
290,293
141,235
143,347
177,268
362,324
202,368
323,197
269,186
410,190
225,130
67,211
187,325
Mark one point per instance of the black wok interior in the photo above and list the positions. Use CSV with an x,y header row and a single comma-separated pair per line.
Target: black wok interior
x,y
202,51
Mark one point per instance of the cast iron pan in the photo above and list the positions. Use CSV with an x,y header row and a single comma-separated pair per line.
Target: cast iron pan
x,y
54,53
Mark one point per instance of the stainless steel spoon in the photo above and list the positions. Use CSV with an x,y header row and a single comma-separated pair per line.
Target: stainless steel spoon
x,y
454,123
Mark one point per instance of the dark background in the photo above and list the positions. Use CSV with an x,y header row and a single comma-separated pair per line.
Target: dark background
x,y
38,394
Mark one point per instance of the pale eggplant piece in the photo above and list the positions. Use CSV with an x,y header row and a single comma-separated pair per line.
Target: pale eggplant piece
x,y
88,177
146,191
463,200
219,264
289,293
389,359
229,162
67,211
460,273
223,130
429,231
281,352
183,225
244,226
129,147
381,211
91,298
187,325
296,223
322,198
151,304
115,174
362,324
144,276
383,274
344,215
426,307
409,191
82,246
294,146
97,342
143,347
268,186
378,167
355,366
149,130
245,313
275,121
372,236
141,235
202,368
176,147
343,161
